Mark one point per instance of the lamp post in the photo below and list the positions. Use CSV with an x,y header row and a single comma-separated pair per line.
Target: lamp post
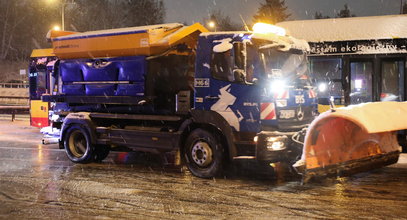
x,y
63,4
63,15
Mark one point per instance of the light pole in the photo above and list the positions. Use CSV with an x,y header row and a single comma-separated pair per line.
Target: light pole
x,y
63,4
63,15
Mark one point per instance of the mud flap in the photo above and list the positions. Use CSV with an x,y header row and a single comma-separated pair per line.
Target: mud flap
x,y
353,139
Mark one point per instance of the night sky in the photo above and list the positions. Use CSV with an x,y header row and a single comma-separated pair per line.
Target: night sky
x,y
190,11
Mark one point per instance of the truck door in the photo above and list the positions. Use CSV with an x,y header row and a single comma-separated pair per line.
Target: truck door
x,y
233,93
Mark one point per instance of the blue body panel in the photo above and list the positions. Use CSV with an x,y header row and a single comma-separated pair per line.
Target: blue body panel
x,y
131,69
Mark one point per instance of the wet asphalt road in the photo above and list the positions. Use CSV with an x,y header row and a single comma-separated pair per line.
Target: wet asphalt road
x,y
39,182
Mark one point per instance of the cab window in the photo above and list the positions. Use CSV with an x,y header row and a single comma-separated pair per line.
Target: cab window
x,y
222,66
229,63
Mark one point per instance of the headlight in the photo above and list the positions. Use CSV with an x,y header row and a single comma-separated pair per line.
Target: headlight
x,y
278,145
275,144
256,138
322,87
278,86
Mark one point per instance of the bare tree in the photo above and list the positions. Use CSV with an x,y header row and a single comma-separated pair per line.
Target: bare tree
x,y
105,14
8,24
222,22
25,23
23,26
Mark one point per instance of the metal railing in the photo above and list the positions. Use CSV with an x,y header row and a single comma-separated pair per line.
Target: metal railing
x,y
14,100
14,85
13,110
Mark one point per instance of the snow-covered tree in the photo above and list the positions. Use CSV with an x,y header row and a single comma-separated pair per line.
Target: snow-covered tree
x,y
345,12
404,9
271,11
318,15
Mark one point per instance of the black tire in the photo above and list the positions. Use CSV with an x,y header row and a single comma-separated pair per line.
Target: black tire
x,y
101,152
77,144
203,154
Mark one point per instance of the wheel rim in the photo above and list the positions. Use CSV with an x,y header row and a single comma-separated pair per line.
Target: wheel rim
x,y
77,144
201,153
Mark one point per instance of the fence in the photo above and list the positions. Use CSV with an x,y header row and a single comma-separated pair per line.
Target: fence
x,y
13,94
14,85
13,100
13,110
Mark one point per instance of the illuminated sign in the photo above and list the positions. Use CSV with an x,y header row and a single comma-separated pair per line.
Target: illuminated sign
x,y
359,47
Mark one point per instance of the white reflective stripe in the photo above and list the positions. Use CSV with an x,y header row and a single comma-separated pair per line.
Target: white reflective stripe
x,y
269,109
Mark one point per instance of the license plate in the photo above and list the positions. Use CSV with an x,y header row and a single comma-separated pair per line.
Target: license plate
x,y
285,114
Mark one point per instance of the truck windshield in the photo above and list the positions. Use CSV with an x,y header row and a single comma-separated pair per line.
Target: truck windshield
x,y
290,66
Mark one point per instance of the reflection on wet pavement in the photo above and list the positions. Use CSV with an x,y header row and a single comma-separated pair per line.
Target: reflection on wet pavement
x,y
38,181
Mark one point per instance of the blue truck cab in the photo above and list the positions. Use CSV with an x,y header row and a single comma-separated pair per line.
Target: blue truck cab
x,y
261,88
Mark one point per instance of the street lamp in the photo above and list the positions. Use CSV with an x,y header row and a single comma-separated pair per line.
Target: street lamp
x,y
56,28
63,4
212,25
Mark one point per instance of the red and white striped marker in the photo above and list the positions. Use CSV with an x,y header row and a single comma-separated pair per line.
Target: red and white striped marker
x,y
312,94
267,111
281,95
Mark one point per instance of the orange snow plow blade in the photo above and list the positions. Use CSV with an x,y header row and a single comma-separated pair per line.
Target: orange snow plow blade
x,y
353,139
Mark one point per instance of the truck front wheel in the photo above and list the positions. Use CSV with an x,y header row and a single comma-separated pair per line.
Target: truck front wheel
x,y
77,145
203,154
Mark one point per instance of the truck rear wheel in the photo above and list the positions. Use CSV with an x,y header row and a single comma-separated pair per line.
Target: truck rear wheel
x,y
203,154
77,145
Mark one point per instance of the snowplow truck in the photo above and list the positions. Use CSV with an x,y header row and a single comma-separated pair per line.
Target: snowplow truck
x,y
208,97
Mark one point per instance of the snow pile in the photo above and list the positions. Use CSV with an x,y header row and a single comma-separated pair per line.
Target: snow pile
x,y
284,43
50,131
345,29
224,45
234,33
121,30
374,117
